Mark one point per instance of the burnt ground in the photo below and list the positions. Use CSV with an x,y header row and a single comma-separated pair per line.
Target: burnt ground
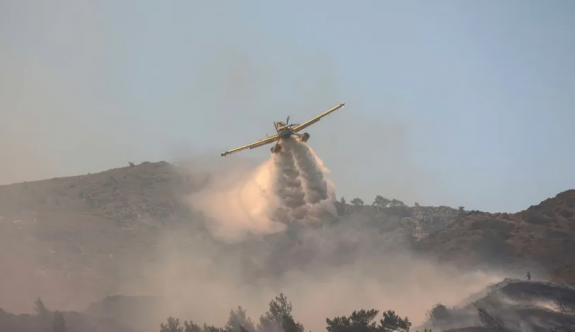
x,y
515,305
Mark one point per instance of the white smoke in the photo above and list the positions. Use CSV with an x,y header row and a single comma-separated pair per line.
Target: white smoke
x,y
290,186
312,175
239,201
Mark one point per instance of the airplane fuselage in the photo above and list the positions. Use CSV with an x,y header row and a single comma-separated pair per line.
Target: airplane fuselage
x,y
286,132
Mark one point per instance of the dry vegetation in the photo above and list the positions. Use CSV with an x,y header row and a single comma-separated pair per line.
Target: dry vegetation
x,y
542,234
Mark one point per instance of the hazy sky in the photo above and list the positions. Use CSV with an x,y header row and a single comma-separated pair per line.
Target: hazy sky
x,y
447,102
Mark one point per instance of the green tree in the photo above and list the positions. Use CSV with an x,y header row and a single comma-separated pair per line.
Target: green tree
x,y
358,321
341,206
357,202
362,321
279,317
392,322
59,324
395,203
380,202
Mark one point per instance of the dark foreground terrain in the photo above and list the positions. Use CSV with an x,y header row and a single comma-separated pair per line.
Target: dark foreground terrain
x,y
76,240
510,305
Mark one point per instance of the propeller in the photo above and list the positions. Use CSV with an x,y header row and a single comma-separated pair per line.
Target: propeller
x,y
287,120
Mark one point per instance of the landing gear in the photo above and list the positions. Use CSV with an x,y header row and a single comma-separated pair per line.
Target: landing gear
x,y
304,137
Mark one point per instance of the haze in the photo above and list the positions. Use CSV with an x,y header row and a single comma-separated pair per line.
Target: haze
x,y
457,103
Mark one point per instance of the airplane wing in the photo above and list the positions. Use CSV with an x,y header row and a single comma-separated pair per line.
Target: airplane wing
x,y
308,123
269,139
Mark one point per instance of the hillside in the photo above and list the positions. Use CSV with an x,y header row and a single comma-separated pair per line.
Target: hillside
x,y
541,234
75,322
70,232
76,240
74,230
517,305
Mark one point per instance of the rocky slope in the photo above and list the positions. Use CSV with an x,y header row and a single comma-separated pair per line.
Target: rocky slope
x,y
542,234
417,221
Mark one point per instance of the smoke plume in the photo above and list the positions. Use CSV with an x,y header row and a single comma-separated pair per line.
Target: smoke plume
x,y
289,186
325,271
248,198
312,176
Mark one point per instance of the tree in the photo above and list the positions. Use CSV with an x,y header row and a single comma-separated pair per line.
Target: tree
x,y
211,328
43,314
172,326
439,315
279,317
380,202
59,324
362,321
239,321
392,322
358,321
192,327
341,206
357,202
40,308
395,202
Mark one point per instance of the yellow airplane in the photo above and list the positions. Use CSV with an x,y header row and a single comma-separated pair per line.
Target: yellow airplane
x,y
285,131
